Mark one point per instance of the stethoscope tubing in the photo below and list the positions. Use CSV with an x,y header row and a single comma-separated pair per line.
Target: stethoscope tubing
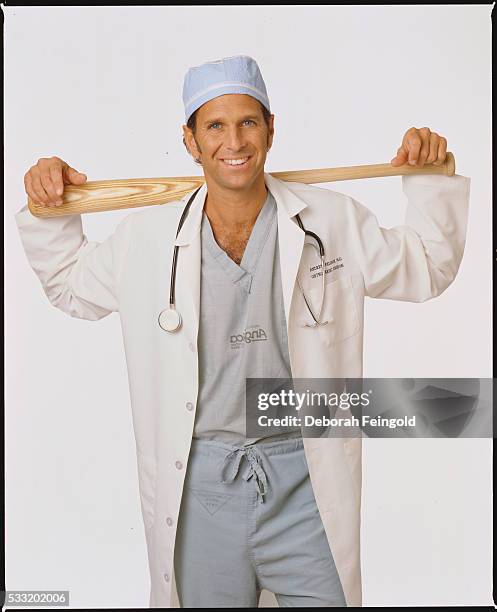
x,y
172,288
176,324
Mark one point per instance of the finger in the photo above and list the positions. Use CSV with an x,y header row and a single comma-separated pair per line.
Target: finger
x,y
40,192
28,184
433,153
401,157
57,182
425,146
48,185
442,151
71,176
414,147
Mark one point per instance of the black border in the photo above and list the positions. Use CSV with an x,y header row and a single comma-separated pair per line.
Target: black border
x,y
494,248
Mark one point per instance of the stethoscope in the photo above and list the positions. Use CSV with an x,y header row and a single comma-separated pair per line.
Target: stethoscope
x,y
316,320
170,319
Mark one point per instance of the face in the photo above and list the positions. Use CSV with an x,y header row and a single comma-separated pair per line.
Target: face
x,y
231,127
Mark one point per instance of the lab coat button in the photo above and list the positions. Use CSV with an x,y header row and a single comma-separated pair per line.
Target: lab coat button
x,y
166,577
191,346
179,465
169,521
189,406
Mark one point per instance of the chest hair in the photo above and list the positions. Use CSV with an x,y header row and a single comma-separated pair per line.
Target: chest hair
x,y
233,241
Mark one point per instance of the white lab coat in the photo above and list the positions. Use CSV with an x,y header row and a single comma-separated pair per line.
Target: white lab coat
x,y
130,271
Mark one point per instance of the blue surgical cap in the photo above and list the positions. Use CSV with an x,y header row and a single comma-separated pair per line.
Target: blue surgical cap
x,y
238,74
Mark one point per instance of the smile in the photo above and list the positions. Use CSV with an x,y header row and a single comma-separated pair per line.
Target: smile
x,y
242,161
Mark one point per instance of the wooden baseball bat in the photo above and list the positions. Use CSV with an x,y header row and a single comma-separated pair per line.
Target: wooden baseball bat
x,y
98,196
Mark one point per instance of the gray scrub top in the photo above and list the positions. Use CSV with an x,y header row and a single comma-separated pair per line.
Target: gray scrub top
x,y
242,329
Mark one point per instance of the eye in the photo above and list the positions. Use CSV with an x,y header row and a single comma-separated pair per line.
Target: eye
x,y
213,124
249,121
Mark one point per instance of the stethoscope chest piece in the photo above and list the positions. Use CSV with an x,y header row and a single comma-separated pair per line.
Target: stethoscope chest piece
x,y
170,320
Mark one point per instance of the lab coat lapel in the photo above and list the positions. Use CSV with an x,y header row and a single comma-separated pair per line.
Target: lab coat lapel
x,y
189,263
290,236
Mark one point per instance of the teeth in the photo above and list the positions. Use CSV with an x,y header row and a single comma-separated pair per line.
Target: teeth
x,y
235,162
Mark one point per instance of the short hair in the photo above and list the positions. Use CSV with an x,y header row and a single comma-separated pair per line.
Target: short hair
x,y
192,122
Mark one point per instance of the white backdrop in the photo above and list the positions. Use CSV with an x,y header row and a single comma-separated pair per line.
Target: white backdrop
x,y
101,88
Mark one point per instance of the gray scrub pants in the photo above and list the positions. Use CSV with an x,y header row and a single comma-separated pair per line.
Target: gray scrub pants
x,y
248,521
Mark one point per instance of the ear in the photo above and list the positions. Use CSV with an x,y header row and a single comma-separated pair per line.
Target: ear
x,y
270,132
190,142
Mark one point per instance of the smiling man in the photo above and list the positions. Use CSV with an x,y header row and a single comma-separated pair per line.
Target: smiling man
x,y
232,134
231,514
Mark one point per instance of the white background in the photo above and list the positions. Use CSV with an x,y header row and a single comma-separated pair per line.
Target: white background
x,y
101,88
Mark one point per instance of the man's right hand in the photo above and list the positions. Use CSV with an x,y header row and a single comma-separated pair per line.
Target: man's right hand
x,y
44,182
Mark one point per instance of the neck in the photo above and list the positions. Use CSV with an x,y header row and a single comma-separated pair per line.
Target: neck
x,y
233,209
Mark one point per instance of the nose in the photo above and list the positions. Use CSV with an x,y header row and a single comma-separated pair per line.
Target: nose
x,y
234,139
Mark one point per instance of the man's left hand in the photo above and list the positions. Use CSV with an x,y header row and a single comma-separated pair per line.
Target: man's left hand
x,y
421,146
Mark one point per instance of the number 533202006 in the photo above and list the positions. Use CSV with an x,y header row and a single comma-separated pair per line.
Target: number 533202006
x,y
28,598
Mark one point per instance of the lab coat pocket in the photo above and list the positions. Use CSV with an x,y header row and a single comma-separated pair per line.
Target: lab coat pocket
x,y
339,310
146,479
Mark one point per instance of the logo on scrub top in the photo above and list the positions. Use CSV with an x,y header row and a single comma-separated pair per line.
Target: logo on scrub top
x,y
254,333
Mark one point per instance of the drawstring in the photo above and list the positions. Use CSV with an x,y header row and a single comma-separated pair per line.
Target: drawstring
x,y
255,468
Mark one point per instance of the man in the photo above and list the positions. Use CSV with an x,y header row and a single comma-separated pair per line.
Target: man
x,y
228,514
